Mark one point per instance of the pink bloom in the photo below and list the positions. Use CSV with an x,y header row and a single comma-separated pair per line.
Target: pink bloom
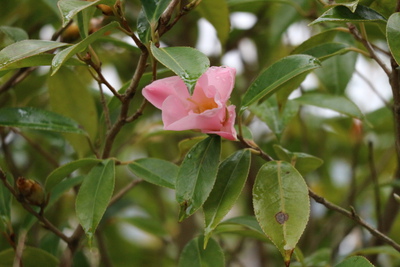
x,y
206,110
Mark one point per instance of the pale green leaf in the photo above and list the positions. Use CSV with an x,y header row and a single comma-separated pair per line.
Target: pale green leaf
x,y
393,35
194,254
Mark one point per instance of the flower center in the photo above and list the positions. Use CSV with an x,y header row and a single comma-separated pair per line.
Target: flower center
x,y
203,104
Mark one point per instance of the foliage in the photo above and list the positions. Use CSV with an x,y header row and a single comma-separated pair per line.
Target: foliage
x,y
298,186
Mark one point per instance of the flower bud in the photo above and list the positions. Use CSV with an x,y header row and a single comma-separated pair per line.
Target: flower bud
x,y
31,191
107,10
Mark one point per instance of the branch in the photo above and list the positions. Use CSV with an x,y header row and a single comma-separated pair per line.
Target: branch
x,y
353,216
374,178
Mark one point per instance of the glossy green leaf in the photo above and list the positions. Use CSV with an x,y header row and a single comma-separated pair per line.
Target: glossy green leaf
x,y
63,171
249,222
186,62
355,261
143,28
268,111
343,14
351,5
303,162
197,175
69,8
340,104
393,35
83,20
62,56
156,171
74,100
276,76
217,13
94,195
24,49
281,205
194,254
186,144
40,119
31,257
9,35
5,203
153,9
336,72
328,50
39,60
316,40
231,177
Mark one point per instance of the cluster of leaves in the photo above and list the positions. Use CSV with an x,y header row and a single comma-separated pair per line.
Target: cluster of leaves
x,y
109,171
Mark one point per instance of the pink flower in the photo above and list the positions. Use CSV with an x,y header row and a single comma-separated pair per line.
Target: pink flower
x,y
206,110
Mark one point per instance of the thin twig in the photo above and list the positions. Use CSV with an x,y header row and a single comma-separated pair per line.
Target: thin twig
x,y
27,207
138,112
20,249
354,216
374,178
367,45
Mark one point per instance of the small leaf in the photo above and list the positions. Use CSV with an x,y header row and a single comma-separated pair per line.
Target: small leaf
x,y
355,261
276,76
186,62
62,56
194,255
197,175
281,205
268,111
24,49
94,195
351,5
316,40
156,171
303,162
143,28
69,8
249,222
153,9
31,257
10,35
393,35
63,171
230,180
217,13
343,14
40,119
340,104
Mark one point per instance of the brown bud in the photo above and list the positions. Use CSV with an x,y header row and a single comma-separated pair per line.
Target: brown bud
x,y
107,10
71,33
31,191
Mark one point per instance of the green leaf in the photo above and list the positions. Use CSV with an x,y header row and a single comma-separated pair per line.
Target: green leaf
x,y
40,119
5,203
24,49
340,104
69,8
186,62
94,195
249,222
336,72
197,175
74,100
62,187
281,205
153,9
143,28
377,250
194,255
328,50
351,5
62,56
269,112
9,35
31,257
316,40
39,60
343,14
217,13
303,162
230,180
156,171
393,35
277,76
63,171
355,261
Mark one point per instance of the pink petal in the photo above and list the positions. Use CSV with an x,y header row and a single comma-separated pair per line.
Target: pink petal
x,y
159,90
218,81
228,130
173,110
